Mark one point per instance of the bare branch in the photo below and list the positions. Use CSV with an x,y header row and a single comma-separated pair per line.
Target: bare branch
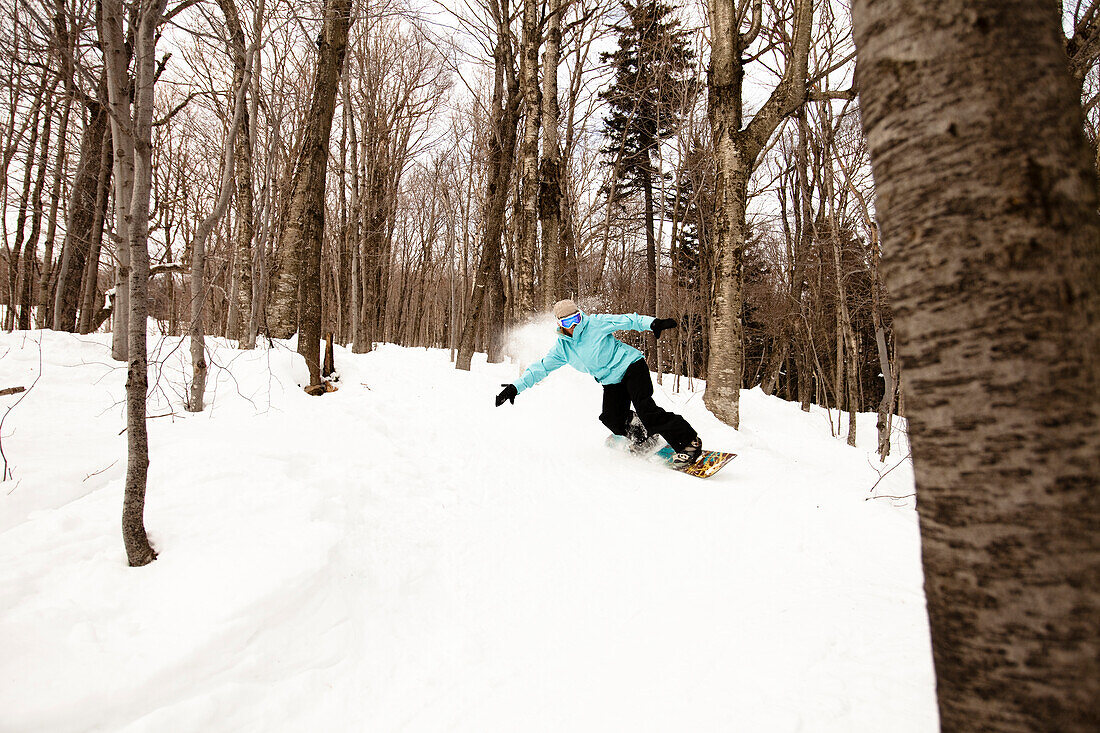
x,y
754,29
170,14
846,94
177,109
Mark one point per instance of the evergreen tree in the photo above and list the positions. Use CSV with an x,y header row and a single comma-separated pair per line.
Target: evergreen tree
x,y
654,78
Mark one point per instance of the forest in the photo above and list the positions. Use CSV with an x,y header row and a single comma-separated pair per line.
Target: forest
x,y
428,174
456,166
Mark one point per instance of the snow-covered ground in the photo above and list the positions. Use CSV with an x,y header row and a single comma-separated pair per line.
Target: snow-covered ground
x,y
402,556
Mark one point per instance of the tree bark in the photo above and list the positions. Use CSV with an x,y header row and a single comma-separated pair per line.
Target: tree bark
x,y
550,169
302,238
847,374
988,206
82,207
195,402
131,134
502,144
28,298
737,151
47,279
239,327
361,340
886,365
14,258
650,266
529,161
90,287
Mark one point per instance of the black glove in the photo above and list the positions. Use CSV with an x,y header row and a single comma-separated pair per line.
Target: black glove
x,y
662,324
508,393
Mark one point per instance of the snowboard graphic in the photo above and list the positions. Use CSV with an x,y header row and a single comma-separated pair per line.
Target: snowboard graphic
x,y
710,462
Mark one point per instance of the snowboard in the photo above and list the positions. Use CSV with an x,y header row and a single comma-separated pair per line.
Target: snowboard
x,y
710,461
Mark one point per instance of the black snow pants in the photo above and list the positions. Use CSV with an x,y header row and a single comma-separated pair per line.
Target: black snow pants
x,y
636,387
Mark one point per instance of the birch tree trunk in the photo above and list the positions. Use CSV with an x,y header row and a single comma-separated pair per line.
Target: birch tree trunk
x,y
529,161
649,340
737,151
550,169
124,142
886,365
988,207
361,340
131,133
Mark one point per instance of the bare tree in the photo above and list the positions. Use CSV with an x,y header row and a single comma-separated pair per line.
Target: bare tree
x,y
550,168
737,148
240,323
504,117
131,132
527,213
198,246
82,210
27,295
987,200
298,286
63,43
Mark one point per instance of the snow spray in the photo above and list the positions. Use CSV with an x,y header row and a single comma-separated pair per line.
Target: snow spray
x,y
529,341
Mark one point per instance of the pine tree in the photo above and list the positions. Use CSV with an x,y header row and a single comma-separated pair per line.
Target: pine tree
x,y
654,76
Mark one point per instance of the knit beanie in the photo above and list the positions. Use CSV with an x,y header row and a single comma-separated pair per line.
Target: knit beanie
x,y
565,308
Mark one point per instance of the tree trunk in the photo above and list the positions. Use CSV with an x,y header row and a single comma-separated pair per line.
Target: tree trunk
x,y
885,406
82,207
650,267
47,279
988,206
90,289
502,144
361,340
301,239
494,348
550,170
131,128
529,162
14,281
239,327
28,298
848,355
736,153
195,402
776,357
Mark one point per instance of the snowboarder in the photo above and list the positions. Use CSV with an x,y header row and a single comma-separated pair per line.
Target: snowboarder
x,y
587,343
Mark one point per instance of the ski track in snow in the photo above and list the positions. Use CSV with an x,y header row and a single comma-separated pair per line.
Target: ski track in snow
x,y
402,556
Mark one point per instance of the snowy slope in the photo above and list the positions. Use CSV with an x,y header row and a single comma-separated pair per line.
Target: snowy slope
x,y
402,556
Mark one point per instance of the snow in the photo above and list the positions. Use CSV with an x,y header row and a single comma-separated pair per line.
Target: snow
x,y
400,555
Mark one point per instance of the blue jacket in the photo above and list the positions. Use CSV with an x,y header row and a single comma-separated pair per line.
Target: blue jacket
x,y
592,348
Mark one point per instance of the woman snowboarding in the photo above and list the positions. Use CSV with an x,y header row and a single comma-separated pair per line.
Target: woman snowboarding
x,y
587,343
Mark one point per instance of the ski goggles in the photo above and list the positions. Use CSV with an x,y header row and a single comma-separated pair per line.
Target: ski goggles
x,y
570,321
